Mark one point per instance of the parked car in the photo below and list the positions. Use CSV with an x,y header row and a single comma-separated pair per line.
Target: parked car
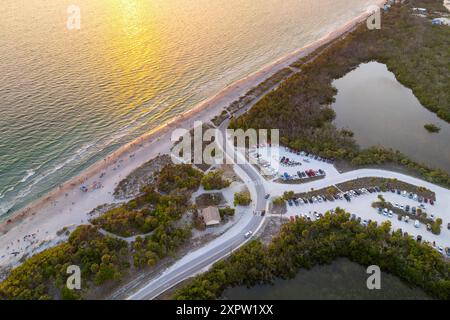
x,y
419,238
248,234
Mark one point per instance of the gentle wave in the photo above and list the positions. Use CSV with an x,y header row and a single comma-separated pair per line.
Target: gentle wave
x,y
75,97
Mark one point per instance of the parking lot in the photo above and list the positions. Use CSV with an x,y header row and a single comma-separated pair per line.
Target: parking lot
x,y
287,165
358,205
361,207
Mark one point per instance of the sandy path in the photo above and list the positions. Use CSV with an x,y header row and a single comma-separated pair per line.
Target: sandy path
x,y
35,227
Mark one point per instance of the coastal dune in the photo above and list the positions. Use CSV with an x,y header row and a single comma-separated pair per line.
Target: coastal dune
x,y
35,227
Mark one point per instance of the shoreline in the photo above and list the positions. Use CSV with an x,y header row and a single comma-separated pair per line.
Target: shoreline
x,y
67,205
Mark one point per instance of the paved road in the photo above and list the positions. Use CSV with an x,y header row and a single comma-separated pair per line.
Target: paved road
x,y
218,249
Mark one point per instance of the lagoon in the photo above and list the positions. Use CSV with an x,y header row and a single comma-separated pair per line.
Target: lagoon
x,y
342,279
381,111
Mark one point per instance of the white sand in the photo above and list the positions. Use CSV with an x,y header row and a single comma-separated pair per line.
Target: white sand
x,y
34,228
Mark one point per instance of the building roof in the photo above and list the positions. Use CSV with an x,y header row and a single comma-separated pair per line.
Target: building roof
x,y
211,216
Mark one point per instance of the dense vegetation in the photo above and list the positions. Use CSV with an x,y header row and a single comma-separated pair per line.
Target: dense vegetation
x,y
44,275
414,50
144,213
163,242
103,258
380,156
181,176
214,180
226,212
304,244
242,198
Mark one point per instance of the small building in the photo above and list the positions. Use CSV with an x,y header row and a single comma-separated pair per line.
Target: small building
x,y
211,216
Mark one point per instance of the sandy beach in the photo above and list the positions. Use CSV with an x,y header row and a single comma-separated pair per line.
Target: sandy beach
x,y
35,227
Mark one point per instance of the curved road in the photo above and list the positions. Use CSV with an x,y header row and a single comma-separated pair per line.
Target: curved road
x,y
219,248
199,260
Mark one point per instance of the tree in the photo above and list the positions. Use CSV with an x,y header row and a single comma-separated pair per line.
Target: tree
x,y
278,201
214,180
242,198
436,226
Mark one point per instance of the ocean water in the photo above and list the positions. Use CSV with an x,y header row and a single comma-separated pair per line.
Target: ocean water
x,y
70,97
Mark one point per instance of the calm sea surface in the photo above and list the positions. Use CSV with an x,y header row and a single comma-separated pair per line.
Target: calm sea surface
x,y
68,98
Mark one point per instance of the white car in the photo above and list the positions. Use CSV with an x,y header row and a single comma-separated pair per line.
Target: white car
x,y
248,234
417,223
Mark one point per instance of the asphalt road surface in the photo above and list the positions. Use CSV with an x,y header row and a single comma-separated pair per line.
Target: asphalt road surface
x,y
222,247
